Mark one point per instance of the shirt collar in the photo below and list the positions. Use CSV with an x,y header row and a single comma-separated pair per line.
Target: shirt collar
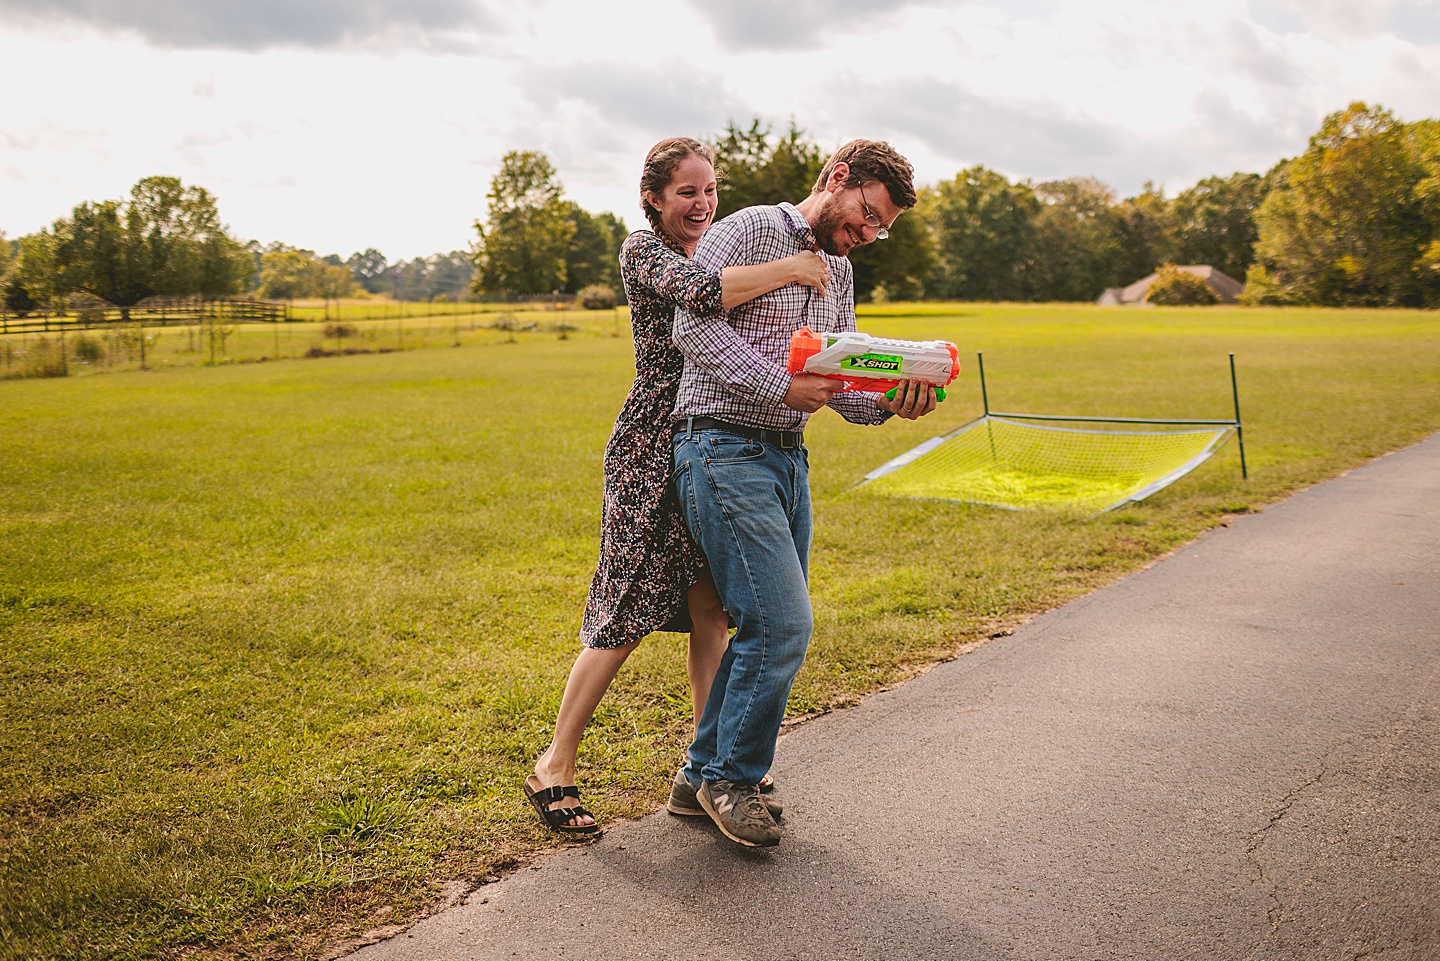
x,y
799,226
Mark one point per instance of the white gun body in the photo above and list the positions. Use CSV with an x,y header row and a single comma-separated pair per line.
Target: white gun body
x,y
854,356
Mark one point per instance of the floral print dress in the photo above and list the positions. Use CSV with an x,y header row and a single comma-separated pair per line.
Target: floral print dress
x,y
647,560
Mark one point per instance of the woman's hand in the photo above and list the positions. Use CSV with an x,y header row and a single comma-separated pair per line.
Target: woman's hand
x,y
913,400
811,270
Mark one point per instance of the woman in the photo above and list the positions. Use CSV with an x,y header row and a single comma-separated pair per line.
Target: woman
x,y
651,576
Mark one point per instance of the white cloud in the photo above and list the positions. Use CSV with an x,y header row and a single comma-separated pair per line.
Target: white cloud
x,y
260,24
648,98
744,25
340,126
1335,19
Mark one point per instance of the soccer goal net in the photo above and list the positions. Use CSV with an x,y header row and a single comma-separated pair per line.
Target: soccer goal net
x,y
1027,461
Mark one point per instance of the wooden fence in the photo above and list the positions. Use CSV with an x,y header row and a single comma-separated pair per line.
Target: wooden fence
x,y
155,312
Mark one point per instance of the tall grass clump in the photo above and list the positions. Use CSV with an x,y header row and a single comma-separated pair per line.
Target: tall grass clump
x,y
38,357
89,349
597,297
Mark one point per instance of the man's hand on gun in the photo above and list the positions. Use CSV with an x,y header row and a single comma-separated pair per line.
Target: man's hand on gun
x,y
810,392
914,399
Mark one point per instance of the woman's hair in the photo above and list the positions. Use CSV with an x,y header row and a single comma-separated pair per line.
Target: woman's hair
x,y
874,160
660,164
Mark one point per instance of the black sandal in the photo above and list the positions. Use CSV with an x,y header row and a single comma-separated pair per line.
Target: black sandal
x,y
557,819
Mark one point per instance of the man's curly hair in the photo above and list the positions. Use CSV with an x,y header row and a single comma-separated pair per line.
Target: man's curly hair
x,y
874,160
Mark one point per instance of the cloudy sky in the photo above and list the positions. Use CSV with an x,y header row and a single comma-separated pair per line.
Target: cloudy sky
x,y
344,124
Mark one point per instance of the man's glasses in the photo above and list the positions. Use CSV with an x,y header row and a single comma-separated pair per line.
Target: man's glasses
x,y
881,231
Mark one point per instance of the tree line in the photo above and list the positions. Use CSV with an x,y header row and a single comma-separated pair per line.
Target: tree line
x,y
166,240
1352,221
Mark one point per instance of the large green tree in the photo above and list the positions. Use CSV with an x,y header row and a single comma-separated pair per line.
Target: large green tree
x,y
614,228
1077,252
593,251
1348,222
758,167
984,236
287,273
29,281
334,281
165,239
1144,233
1215,222
1426,135
521,247
225,267
7,278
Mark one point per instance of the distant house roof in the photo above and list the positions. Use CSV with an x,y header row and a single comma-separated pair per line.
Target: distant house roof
x,y
1227,288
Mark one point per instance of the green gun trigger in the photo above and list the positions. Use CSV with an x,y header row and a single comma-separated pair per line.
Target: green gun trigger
x,y
939,393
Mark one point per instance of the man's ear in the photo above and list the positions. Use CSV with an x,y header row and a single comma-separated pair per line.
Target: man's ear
x,y
838,175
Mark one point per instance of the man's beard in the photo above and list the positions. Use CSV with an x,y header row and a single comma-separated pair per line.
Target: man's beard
x,y
828,226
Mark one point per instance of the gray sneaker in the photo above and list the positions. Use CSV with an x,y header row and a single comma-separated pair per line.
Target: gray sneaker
x,y
739,813
684,802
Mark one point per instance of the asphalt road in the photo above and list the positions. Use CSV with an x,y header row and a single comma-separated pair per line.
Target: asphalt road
x,y
1232,754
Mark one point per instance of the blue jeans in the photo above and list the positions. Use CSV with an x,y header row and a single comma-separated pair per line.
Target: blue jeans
x,y
747,504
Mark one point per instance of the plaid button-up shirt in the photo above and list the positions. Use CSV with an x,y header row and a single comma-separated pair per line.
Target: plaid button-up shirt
x,y
735,363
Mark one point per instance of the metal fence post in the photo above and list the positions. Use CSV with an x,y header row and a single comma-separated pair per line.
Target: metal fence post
x,y
1239,431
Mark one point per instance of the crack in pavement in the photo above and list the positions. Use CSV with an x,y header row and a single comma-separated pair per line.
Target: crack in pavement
x,y
1275,914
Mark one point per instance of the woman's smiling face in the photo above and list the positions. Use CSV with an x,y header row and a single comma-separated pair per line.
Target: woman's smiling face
x,y
688,203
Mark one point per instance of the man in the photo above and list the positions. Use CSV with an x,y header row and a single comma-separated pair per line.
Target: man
x,y
741,472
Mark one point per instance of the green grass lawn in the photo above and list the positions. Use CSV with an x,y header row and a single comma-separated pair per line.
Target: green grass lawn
x,y
279,641
383,308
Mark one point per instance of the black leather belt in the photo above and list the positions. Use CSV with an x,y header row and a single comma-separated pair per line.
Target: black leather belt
x,y
783,439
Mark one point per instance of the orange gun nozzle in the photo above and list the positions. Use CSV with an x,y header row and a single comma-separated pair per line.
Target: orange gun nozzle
x,y
804,344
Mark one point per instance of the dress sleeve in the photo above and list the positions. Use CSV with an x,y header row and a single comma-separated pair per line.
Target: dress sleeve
x,y
646,261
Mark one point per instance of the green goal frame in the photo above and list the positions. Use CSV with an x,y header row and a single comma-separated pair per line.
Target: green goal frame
x,y
1027,466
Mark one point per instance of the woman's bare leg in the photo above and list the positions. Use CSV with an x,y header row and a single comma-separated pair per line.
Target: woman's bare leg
x,y
589,679
709,637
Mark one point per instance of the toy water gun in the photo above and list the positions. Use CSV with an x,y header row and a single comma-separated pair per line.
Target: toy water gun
x,y
874,363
